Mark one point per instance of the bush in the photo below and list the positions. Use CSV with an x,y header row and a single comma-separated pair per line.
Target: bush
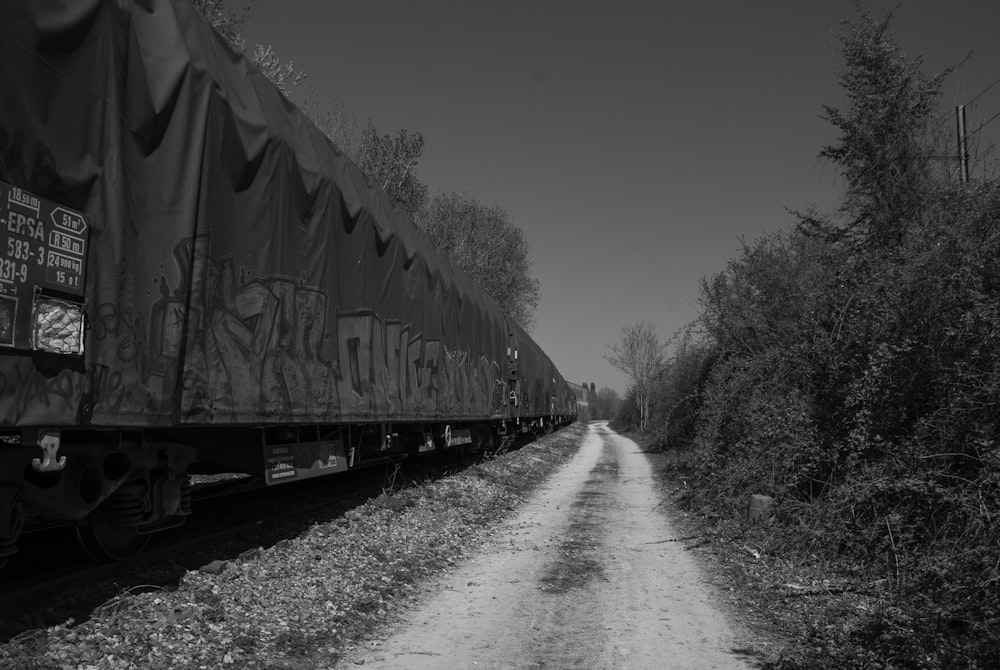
x,y
756,433
855,375
677,394
627,418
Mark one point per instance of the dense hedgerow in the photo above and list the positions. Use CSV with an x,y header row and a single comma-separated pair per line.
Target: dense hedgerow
x,y
850,369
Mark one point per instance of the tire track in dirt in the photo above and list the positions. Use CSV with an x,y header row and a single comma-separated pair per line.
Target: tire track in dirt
x,y
578,560
581,577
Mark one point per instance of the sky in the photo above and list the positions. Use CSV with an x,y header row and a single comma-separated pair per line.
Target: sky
x,y
636,143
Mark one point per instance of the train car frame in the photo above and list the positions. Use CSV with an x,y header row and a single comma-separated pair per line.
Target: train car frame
x,y
196,279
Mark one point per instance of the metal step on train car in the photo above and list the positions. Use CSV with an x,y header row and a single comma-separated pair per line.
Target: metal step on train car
x,y
194,279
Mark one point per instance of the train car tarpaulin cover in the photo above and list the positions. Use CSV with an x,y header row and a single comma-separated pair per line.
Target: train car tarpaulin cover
x,y
239,269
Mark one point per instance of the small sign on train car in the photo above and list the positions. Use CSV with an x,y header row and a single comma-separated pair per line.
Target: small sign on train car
x,y
301,460
460,436
43,267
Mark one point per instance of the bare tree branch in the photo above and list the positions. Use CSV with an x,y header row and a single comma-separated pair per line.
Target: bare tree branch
x,y
641,357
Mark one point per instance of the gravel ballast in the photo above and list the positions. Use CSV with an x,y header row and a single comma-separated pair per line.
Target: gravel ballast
x,y
305,601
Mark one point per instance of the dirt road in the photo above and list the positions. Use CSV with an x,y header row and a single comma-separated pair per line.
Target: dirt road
x,y
587,575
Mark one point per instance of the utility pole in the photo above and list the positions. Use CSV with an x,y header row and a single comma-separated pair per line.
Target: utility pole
x,y
963,147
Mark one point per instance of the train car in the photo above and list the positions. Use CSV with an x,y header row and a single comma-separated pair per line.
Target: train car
x,y
195,279
582,395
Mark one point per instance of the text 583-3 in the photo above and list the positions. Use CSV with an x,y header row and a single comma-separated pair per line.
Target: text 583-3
x,y
20,250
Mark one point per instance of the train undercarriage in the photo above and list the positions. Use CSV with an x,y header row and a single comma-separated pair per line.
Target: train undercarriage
x,y
118,487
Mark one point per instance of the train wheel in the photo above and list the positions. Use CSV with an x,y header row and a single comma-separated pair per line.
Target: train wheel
x,y
104,540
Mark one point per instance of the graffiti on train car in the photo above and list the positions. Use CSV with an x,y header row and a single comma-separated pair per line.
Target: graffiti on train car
x,y
385,369
127,330
253,347
69,392
21,382
269,347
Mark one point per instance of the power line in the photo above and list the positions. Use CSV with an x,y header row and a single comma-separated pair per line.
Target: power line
x,y
976,97
983,125
982,92
942,115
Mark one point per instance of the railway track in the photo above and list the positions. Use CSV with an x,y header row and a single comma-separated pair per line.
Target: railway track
x,y
53,581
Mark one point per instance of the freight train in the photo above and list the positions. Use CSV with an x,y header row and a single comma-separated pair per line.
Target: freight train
x,y
193,278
